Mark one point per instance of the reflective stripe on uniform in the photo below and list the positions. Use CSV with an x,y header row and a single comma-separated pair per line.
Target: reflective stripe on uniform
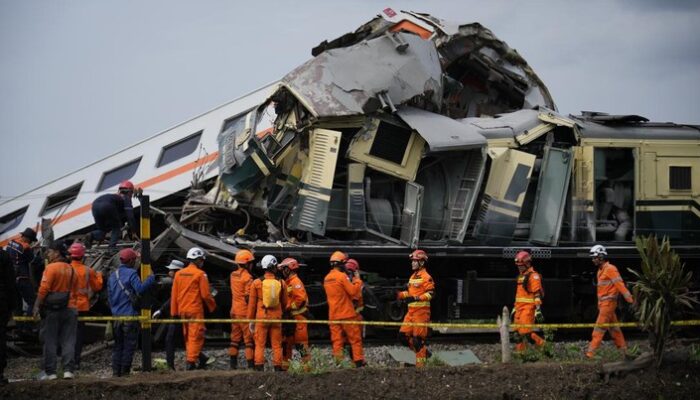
x,y
524,300
608,282
297,312
419,304
608,297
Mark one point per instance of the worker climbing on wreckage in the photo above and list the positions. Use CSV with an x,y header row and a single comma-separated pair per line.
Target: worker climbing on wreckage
x,y
528,300
110,211
419,292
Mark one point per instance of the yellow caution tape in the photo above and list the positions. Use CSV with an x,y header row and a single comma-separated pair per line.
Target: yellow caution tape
x,y
435,325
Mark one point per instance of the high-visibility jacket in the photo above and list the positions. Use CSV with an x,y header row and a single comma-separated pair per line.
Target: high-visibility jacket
x,y
87,281
296,295
21,254
610,284
58,277
241,280
421,287
340,292
256,308
529,288
190,292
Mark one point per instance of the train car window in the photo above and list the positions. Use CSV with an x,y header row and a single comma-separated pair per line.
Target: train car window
x,y
679,178
61,199
12,220
179,149
114,176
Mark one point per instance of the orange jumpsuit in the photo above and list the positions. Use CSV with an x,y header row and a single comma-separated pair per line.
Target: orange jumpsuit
x,y
57,278
256,310
340,292
610,285
87,281
189,294
420,287
296,307
241,280
527,299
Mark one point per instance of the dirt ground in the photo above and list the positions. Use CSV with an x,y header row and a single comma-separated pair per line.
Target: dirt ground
x,y
496,381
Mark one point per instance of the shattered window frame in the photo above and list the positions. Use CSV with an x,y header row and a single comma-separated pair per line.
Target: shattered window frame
x,y
179,149
61,198
112,177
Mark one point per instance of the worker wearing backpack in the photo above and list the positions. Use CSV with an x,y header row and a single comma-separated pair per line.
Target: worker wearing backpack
x,y
268,297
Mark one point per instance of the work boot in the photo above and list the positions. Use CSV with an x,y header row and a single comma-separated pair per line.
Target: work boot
x,y
191,366
116,373
251,364
126,370
234,362
259,368
360,364
202,361
87,240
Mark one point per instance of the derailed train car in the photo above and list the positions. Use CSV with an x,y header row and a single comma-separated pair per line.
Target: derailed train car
x,y
413,132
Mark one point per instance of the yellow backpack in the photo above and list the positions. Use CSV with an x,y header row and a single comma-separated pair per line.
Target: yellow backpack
x,y
271,290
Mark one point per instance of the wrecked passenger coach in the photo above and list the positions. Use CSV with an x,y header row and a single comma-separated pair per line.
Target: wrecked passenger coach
x,y
408,132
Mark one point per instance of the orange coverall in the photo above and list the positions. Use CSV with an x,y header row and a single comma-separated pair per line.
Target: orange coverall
x,y
241,280
189,294
420,286
57,278
610,285
340,292
256,310
87,280
296,307
526,301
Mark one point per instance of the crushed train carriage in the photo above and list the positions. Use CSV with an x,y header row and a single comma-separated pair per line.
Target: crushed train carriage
x,y
408,132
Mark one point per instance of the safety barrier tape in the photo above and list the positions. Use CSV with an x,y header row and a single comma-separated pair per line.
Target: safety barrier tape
x,y
434,325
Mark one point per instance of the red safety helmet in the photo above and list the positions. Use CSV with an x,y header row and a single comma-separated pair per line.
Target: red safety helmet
x,y
290,263
522,257
77,250
127,255
418,255
244,257
338,257
126,186
352,265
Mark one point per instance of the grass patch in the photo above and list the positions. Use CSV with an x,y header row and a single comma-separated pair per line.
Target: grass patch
x,y
321,362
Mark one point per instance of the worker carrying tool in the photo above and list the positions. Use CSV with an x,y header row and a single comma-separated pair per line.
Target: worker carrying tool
x,y
296,336
190,293
241,279
340,292
88,283
609,286
528,300
110,211
420,290
268,298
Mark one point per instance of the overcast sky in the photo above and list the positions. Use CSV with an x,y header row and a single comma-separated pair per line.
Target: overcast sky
x,y
80,80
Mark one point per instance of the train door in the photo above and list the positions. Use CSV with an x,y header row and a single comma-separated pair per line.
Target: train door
x,y
614,193
550,201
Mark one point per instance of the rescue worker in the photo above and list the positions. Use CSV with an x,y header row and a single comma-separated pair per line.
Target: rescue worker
x,y
528,299
298,336
268,299
340,292
8,302
189,294
88,282
56,304
124,287
22,255
352,266
241,279
610,286
419,292
110,211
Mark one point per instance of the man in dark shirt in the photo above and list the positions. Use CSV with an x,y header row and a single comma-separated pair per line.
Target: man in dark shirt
x,y
110,212
7,304
21,255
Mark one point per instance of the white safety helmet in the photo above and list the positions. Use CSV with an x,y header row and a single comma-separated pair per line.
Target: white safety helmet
x,y
268,262
599,251
195,253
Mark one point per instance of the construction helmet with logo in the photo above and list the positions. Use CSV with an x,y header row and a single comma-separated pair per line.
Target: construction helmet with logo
x,y
126,186
338,257
290,263
418,255
77,250
522,257
195,253
268,262
127,255
352,265
244,257
599,251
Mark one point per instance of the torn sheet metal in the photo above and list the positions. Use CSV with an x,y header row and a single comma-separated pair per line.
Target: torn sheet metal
x,y
368,76
441,133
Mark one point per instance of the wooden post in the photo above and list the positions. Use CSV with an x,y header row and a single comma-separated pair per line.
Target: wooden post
x,y
145,273
504,329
